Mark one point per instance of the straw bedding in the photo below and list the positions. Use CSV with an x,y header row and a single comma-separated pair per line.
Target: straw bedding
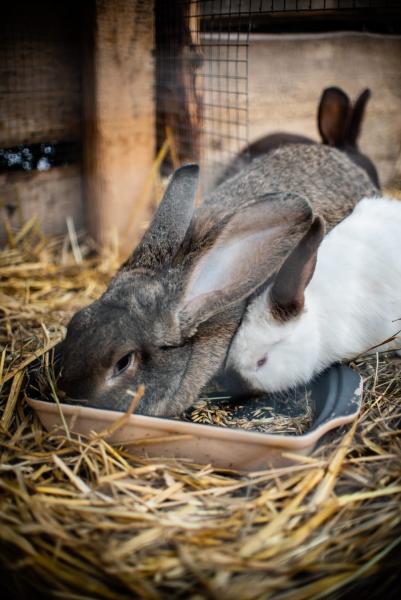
x,y
82,519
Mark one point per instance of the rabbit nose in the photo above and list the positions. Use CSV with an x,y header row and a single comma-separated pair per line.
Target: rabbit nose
x,y
75,389
234,384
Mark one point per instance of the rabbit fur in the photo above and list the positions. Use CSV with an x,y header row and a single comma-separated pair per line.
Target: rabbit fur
x,y
339,123
169,314
316,313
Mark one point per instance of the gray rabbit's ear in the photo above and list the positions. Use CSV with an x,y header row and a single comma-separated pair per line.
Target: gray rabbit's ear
x,y
171,221
358,112
245,254
333,116
287,292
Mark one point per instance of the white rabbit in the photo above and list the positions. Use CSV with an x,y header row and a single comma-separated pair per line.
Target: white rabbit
x,y
317,312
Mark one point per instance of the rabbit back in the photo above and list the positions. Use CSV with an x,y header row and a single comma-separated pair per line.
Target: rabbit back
x,y
325,176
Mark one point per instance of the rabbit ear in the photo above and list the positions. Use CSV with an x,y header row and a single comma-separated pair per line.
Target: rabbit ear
x,y
333,116
357,114
246,252
287,292
171,221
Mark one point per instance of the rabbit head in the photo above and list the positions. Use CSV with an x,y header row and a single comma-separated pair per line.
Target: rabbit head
x,y
277,345
340,122
168,316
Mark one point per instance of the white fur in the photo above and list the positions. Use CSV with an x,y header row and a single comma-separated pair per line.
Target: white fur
x,y
352,303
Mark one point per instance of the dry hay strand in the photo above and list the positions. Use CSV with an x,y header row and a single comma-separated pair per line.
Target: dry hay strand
x,y
393,191
83,519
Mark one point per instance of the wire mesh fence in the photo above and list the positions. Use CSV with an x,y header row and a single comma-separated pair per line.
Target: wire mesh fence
x,y
241,7
203,62
40,85
201,89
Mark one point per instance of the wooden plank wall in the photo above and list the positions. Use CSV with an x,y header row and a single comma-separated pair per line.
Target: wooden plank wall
x,y
40,101
287,74
71,72
40,77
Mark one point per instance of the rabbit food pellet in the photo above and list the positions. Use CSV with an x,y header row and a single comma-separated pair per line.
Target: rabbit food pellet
x,y
288,413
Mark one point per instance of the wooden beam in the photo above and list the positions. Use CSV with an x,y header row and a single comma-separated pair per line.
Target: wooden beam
x,y
119,114
178,61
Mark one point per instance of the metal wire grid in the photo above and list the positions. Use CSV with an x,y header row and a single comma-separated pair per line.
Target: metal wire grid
x,y
223,34
215,61
40,86
173,56
206,42
210,8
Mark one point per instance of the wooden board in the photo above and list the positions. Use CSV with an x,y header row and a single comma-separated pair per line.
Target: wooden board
x,y
40,73
51,196
287,74
41,101
119,118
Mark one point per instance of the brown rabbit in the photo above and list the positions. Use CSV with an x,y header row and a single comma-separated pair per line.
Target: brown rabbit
x,y
169,314
339,123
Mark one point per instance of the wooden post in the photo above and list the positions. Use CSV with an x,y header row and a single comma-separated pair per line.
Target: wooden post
x,y
119,116
178,62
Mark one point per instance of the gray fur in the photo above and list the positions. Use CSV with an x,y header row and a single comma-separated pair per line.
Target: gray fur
x,y
171,221
147,307
339,123
325,176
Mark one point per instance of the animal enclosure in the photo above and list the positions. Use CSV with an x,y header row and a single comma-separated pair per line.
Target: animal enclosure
x,y
92,95
248,69
99,101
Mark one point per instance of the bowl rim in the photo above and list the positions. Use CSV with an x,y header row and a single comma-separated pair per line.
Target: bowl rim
x,y
296,442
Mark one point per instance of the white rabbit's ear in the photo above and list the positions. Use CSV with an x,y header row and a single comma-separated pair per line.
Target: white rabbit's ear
x,y
333,116
287,293
247,251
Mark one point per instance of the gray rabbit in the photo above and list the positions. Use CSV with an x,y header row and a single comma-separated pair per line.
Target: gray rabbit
x,y
170,313
339,123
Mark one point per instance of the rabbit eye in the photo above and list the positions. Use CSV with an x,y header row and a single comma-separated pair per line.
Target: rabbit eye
x,y
261,362
123,364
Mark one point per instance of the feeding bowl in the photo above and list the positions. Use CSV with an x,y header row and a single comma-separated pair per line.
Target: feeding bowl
x,y
335,395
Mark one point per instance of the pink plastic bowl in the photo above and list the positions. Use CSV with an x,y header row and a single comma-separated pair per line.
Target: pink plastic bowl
x,y
336,395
